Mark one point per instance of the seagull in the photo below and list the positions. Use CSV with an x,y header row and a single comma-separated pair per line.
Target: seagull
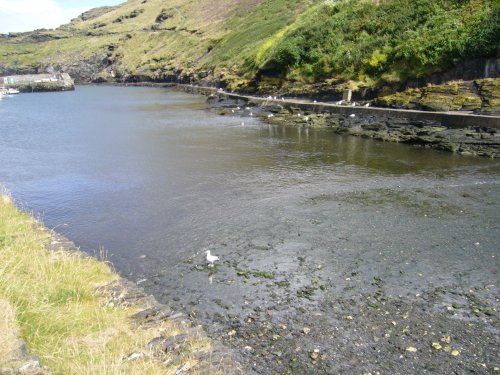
x,y
211,258
352,116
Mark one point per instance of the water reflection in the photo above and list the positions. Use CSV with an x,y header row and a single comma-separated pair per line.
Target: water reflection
x,y
313,147
146,170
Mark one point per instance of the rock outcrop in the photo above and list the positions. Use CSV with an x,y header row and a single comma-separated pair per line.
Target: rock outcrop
x,y
479,96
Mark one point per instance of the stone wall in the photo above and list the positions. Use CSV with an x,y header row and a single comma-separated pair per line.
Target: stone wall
x,y
40,82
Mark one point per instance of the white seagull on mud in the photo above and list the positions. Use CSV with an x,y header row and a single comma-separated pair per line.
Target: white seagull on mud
x,y
211,258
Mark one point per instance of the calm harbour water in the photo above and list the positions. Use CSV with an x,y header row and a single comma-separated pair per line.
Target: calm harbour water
x,y
151,171
154,178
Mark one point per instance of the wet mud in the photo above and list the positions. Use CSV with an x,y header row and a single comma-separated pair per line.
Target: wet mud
x,y
378,280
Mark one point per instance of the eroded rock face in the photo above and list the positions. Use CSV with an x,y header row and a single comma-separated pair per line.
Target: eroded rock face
x,y
489,89
95,12
480,96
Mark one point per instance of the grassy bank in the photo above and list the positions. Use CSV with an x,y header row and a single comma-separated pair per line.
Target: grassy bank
x,y
61,304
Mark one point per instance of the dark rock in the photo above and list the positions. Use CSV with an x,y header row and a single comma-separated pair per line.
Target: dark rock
x,y
169,344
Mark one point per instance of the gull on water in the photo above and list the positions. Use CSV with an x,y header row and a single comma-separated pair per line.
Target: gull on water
x,y
211,258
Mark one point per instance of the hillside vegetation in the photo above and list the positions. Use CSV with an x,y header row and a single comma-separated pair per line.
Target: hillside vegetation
x,y
257,44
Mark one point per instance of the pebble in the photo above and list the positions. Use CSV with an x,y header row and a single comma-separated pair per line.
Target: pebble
x,y
436,345
411,349
135,356
348,317
32,365
455,353
306,330
314,354
446,339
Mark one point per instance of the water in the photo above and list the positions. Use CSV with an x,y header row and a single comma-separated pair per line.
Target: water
x,y
153,177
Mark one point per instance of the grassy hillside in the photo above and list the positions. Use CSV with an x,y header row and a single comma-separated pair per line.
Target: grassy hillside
x,y
368,43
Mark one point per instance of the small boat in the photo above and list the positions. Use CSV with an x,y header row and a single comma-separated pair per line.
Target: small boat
x,y
11,91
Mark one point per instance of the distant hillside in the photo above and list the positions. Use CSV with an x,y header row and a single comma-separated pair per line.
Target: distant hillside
x,y
264,44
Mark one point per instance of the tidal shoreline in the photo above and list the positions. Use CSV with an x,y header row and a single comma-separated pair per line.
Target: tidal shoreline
x,y
463,133
162,338
358,282
324,240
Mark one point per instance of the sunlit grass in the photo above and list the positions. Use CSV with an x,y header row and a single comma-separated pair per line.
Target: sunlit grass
x,y
57,300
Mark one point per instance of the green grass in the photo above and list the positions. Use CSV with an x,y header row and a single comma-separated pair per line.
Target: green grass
x,y
360,42
58,302
396,40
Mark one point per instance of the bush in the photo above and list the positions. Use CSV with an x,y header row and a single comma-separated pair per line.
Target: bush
x,y
403,37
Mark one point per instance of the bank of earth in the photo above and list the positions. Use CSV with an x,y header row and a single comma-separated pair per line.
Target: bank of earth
x,y
65,312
